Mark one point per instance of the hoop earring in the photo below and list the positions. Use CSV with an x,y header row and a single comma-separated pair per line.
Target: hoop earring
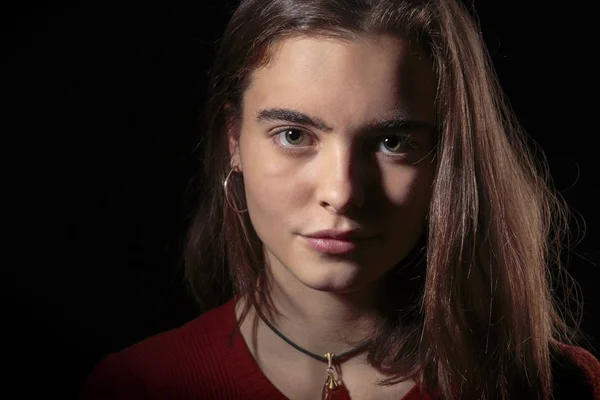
x,y
227,194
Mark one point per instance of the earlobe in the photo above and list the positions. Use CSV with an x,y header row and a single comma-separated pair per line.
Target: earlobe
x,y
233,138
234,152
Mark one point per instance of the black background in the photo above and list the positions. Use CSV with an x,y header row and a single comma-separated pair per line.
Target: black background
x,y
100,107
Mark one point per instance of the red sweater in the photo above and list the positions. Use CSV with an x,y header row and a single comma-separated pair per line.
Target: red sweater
x,y
196,361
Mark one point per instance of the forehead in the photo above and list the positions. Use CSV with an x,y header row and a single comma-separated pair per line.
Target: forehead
x,y
355,76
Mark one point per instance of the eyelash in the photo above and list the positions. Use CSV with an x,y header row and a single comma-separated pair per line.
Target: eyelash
x,y
408,140
290,149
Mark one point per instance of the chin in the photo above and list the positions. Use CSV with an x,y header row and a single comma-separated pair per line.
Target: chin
x,y
339,279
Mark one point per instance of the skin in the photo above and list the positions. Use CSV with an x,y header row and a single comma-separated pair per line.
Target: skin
x,y
349,173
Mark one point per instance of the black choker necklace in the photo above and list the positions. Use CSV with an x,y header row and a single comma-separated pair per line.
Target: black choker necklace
x,y
333,388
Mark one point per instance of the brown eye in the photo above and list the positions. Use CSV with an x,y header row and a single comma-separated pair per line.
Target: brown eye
x,y
396,144
392,143
291,137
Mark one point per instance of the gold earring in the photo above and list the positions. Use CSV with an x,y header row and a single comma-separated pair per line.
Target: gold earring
x,y
227,194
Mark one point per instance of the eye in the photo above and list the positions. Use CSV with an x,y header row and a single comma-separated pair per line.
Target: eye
x,y
396,144
292,137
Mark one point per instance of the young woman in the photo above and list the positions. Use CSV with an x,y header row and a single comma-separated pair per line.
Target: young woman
x,y
375,216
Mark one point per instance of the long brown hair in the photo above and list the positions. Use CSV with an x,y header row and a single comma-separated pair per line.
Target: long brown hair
x,y
483,322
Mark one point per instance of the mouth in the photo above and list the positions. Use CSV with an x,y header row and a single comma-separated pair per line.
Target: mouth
x,y
336,242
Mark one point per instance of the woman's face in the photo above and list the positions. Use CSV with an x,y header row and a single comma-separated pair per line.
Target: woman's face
x,y
335,147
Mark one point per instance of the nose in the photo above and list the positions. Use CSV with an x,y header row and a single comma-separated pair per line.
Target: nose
x,y
341,180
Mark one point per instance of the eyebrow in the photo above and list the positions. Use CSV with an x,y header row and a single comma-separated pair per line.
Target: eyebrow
x,y
396,124
292,116
393,122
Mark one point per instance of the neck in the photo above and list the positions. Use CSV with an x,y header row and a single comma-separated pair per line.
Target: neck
x,y
328,321
318,321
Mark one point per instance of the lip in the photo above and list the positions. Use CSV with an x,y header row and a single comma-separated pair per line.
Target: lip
x,y
335,242
337,234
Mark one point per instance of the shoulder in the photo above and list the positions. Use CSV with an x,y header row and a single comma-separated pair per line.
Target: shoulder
x,y
576,373
177,362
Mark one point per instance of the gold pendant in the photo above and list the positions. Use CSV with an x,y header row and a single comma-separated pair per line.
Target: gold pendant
x,y
333,388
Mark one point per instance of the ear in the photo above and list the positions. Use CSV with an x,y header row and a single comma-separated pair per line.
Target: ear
x,y
234,151
233,137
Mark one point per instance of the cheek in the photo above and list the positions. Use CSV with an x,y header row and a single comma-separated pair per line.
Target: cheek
x,y
410,188
274,189
272,193
409,196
